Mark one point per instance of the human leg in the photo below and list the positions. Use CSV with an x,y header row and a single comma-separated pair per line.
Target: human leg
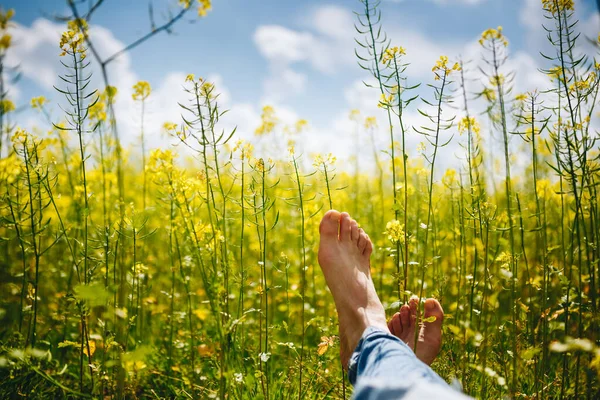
x,y
380,365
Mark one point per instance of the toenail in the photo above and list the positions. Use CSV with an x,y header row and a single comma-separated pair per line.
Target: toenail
x,y
430,304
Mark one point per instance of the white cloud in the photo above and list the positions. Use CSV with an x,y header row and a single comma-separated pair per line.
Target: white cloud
x,y
445,2
325,45
283,45
334,22
282,83
35,51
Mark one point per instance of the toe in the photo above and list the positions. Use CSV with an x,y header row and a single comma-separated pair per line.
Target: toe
x,y
433,308
345,227
405,315
395,325
330,224
354,232
368,248
362,240
413,304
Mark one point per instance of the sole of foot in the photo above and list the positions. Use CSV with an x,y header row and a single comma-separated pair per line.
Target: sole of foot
x,y
344,256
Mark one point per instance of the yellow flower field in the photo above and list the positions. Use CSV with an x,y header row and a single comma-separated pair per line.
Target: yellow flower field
x,y
191,272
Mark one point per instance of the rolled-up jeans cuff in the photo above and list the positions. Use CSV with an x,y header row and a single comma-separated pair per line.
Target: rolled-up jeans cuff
x,y
376,343
353,363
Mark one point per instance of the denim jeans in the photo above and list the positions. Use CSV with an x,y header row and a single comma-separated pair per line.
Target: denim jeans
x,y
384,367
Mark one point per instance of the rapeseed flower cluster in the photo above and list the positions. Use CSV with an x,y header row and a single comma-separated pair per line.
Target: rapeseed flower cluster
x,y
493,35
583,84
141,91
72,41
556,6
6,38
38,102
489,94
319,161
394,231
497,80
521,97
204,6
268,121
97,112
370,123
5,41
385,100
441,68
391,53
244,147
5,18
467,123
6,106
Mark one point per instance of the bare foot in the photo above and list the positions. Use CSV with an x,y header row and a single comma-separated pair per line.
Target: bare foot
x,y
404,322
344,253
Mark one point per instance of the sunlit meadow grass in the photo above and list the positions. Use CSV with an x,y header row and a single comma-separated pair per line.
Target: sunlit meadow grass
x,y
167,276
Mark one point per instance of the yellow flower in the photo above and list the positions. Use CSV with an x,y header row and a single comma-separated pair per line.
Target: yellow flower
x,y
204,6
555,73
441,67
109,93
97,112
391,53
469,123
354,113
190,78
5,42
497,80
301,125
244,147
331,159
260,165
169,126
493,35
207,90
72,41
141,91
20,136
6,106
5,18
556,6
268,121
320,162
9,169
521,97
385,100
582,85
449,177
370,122
395,231
489,94
161,161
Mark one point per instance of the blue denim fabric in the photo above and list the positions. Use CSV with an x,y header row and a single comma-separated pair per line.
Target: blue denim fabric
x,y
384,367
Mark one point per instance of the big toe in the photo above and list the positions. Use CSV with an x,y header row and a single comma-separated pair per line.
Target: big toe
x,y
433,308
330,225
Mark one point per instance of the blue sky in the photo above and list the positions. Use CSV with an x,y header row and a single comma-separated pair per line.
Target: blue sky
x,y
295,55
